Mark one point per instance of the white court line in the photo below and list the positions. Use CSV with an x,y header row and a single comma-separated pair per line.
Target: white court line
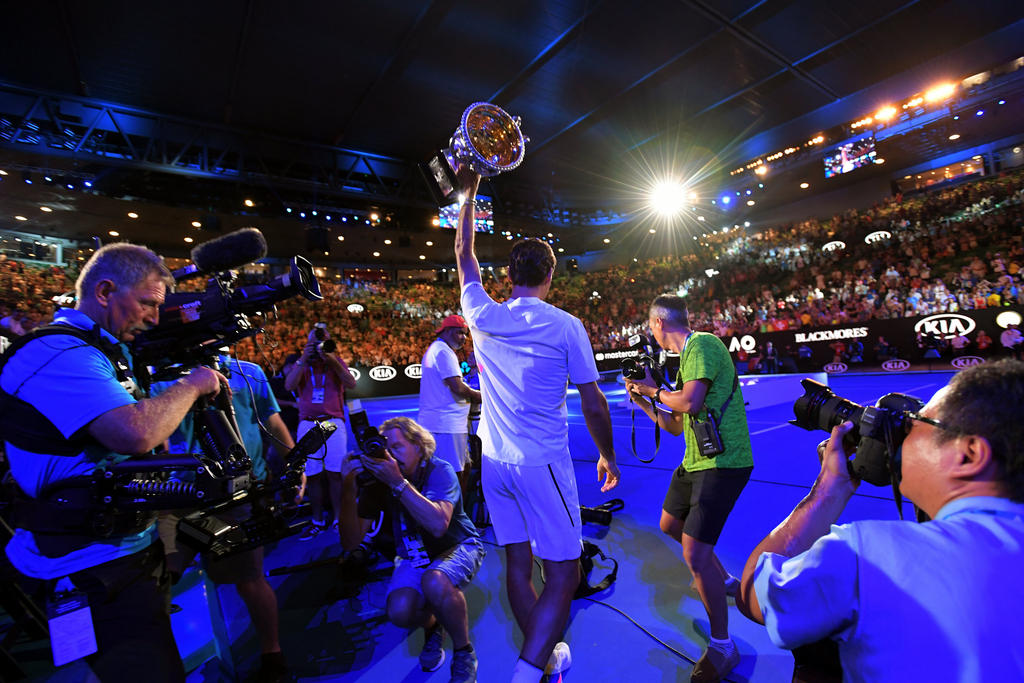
x,y
768,429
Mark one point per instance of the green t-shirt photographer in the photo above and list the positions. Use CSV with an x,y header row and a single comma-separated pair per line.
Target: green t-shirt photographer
x,y
705,357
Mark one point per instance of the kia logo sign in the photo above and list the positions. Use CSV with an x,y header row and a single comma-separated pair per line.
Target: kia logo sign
x,y
835,368
896,365
383,373
356,374
355,308
966,362
944,325
877,236
414,371
599,357
834,245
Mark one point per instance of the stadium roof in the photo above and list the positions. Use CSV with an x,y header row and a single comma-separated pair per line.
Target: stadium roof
x,y
317,91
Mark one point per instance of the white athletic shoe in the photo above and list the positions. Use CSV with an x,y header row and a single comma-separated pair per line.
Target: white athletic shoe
x,y
560,659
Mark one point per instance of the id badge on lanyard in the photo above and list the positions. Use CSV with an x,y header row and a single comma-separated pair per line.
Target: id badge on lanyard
x,y
318,391
71,632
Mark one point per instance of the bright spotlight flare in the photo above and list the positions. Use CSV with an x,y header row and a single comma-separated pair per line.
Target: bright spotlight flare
x,y
488,140
668,198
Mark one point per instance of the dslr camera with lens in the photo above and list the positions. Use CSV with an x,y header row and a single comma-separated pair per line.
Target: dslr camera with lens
x,y
324,344
877,434
371,493
636,368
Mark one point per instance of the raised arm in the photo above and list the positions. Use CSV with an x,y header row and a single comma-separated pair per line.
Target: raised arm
x,y
465,255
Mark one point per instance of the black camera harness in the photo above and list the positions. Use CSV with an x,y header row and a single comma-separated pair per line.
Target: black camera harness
x,y
71,506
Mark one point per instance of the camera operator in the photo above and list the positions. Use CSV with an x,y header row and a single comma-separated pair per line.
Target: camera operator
x,y
70,408
253,403
445,398
439,548
933,601
319,379
706,485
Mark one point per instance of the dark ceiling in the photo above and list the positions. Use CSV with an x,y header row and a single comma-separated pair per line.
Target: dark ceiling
x,y
605,89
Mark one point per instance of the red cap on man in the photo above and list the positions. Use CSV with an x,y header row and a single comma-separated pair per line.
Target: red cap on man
x,y
453,321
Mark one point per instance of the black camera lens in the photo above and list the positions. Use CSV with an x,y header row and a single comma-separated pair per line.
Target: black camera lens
x,y
820,408
320,333
328,346
634,369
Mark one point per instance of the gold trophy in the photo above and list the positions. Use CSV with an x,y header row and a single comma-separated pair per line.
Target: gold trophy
x,y
488,140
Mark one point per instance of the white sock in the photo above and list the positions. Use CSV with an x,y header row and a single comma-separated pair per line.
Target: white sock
x,y
724,646
524,672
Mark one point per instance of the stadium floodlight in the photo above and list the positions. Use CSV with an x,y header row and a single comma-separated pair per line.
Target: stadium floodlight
x,y
668,197
940,92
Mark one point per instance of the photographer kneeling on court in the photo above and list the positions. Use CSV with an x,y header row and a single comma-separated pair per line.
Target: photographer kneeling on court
x,y
439,548
936,601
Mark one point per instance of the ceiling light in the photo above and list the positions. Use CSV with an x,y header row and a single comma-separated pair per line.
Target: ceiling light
x,y
250,203
804,186
652,231
954,136
939,92
114,233
387,241
429,243
561,250
45,209
132,214
3,172
196,224
761,170
435,221
374,217
341,238
422,257
668,197
886,113
376,253
20,218
189,240
607,241
750,202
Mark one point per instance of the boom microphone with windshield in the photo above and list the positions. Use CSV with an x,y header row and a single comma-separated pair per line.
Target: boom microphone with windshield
x,y
193,325
231,251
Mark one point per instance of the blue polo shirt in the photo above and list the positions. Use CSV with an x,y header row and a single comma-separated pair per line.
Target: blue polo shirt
x,y
71,383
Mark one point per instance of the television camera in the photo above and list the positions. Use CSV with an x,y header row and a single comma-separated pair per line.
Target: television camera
x,y
193,327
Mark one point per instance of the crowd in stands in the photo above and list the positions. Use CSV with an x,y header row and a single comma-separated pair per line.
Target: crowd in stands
x,y
961,248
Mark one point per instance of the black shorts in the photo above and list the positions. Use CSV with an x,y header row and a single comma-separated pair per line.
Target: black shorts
x,y
704,499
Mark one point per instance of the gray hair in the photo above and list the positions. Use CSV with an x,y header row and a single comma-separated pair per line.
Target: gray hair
x,y
126,265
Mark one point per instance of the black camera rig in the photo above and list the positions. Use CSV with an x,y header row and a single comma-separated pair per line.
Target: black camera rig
x,y
120,498
877,434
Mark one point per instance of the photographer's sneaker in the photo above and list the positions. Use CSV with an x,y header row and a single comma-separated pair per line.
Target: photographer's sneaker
x,y
560,659
715,664
732,585
432,655
463,666
312,531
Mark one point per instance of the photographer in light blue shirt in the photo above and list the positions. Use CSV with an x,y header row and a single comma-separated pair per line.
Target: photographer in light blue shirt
x,y
903,601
